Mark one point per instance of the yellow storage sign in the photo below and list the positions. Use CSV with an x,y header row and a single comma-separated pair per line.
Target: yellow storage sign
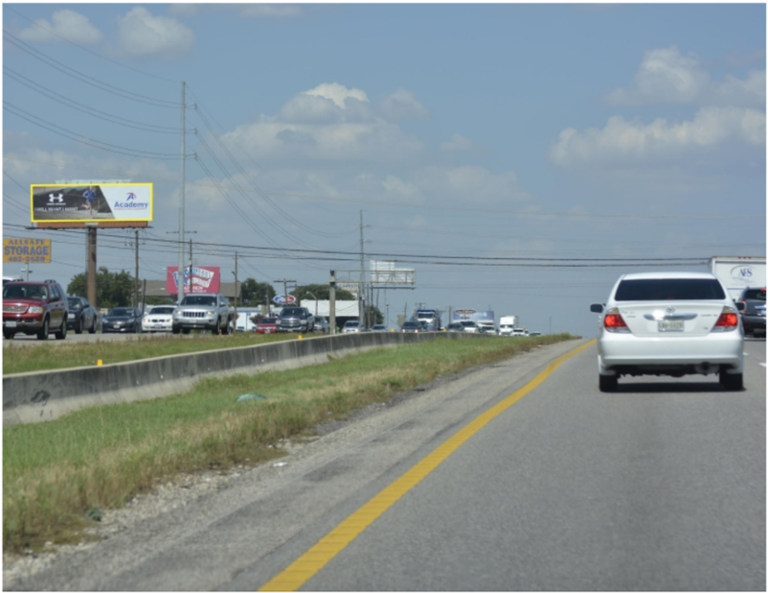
x,y
26,251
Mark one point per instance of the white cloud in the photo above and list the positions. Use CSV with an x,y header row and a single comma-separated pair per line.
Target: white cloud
x,y
142,34
337,93
402,105
458,143
736,92
67,25
667,76
327,104
633,143
328,122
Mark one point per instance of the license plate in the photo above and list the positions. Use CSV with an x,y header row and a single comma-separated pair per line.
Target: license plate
x,y
670,325
10,324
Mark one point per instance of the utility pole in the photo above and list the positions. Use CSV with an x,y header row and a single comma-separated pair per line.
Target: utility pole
x,y
191,275
360,293
285,285
332,304
235,273
180,289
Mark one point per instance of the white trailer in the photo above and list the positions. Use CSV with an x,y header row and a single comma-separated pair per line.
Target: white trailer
x,y
506,324
738,273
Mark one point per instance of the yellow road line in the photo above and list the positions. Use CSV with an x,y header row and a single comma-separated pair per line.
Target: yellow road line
x,y
312,561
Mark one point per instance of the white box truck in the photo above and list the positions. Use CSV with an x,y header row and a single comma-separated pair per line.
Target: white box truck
x,y
738,273
506,324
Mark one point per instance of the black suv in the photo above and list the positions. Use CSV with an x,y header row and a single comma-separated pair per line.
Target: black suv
x,y
753,315
34,308
295,319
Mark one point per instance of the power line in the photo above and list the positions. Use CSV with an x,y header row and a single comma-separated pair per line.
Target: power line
x,y
63,68
84,139
86,109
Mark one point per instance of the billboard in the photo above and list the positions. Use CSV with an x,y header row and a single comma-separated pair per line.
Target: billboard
x,y
97,202
203,279
385,272
26,251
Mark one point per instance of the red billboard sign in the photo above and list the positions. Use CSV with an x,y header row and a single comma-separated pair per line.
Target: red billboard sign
x,y
199,279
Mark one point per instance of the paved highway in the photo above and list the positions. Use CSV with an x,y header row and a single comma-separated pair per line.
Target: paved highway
x,y
479,483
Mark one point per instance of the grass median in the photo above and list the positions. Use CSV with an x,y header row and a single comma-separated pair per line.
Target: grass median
x,y
57,475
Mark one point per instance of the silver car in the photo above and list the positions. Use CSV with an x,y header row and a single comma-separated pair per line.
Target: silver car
x,y
669,323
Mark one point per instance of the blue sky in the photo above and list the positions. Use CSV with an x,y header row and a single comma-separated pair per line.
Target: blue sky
x,y
590,139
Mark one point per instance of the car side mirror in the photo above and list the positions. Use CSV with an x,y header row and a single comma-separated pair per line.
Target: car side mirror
x,y
596,308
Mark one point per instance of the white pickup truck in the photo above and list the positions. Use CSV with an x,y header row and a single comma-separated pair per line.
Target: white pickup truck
x,y
203,311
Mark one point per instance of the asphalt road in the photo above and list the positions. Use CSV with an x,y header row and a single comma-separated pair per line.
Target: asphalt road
x,y
659,486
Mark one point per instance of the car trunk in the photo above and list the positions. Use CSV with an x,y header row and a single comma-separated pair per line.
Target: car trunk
x,y
678,318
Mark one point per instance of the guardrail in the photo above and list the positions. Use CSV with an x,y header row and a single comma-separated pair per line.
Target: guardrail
x,y
39,396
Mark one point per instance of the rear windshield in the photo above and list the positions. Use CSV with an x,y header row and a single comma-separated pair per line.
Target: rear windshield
x,y
199,300
670,289
755,294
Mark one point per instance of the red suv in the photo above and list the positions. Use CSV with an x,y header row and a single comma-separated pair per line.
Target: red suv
x,y
34,308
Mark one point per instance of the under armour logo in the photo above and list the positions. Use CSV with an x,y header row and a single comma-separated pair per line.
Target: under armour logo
x,y
55,198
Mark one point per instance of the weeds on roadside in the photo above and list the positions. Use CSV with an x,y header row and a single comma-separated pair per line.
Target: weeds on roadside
x,y
56,474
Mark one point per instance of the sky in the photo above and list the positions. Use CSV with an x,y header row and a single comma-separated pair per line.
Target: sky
x,y
517,157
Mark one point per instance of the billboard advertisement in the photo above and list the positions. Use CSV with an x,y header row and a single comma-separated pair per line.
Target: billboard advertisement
x,y
202,279
26,251
473,315
98,202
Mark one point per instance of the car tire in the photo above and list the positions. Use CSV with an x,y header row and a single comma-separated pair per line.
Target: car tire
x,y
732,382
92,329
61,333
79,328
42,333
608,384
217,328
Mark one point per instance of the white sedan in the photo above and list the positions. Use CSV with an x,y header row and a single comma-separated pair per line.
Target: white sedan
x,y
669,323
159,319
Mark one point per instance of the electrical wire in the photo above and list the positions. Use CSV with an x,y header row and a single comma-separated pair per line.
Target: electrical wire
x,y
84,139
21,79
63,68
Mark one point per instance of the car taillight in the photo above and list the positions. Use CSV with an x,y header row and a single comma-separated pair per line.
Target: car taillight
x,y
614,322
728,320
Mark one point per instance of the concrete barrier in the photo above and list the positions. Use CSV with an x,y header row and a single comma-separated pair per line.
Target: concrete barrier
x,y
35,397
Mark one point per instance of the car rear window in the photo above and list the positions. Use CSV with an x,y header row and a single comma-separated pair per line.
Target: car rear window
x,y
756,294
670,289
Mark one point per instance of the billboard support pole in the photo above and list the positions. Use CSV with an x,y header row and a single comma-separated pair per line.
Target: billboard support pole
x,y
92,266
136,280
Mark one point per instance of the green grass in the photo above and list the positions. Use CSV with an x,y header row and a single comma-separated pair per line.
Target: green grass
x,y
58,473
45,357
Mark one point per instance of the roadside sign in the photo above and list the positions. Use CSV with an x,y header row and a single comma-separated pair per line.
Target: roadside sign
x,y
26,251
284,299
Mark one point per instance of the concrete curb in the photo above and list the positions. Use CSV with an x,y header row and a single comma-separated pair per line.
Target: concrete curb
x,y
35,397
